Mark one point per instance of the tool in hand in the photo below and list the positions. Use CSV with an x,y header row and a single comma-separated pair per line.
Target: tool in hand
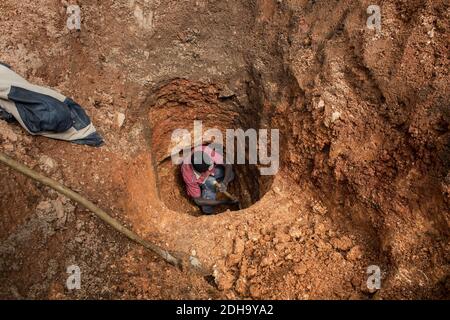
x,y
229,195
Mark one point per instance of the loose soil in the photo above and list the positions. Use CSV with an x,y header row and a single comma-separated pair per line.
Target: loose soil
x,y
365,149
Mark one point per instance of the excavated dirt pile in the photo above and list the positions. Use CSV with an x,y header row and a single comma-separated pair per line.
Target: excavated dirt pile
x,y
364,175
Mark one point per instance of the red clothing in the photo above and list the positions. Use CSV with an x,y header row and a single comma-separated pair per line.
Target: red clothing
x,y
192,179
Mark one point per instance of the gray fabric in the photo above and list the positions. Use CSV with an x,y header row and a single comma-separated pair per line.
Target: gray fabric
x,y
42,111
8,117
6,65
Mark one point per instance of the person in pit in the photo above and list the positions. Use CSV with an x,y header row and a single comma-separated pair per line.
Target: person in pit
x,y
204,174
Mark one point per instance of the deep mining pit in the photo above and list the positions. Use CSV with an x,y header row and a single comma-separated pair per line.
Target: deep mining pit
x,y
176,105
364,175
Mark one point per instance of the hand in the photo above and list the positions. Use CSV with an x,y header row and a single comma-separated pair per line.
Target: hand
x,y
222,187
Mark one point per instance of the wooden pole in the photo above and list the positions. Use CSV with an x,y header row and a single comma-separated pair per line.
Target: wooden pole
x,y
92,207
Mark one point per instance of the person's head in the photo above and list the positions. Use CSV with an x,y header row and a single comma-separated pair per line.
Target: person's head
x,y
201,161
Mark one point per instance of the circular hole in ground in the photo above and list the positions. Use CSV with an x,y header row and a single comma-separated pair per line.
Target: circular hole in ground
x,y
176,105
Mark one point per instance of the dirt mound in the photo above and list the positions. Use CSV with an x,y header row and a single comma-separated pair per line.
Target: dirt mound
x,y
365,148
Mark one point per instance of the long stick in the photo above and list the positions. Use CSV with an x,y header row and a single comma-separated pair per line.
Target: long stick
x,y
89,205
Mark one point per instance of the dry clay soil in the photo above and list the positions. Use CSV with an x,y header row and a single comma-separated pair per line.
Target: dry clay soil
x,y
364,149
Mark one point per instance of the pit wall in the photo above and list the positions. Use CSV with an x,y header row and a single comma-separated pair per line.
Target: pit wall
x,y
368,123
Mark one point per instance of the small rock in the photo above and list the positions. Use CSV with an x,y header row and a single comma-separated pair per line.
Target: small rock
x,y
355,253
226,93
79,239
320,229
321,104
319,208
295,233
335,116
344,243
277,190
47,162
266,261
195,262
120,119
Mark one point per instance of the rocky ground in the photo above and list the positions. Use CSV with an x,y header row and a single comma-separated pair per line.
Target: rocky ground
x,y
365,148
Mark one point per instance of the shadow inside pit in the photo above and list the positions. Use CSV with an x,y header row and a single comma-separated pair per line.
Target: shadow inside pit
x,y
176,105
248,186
